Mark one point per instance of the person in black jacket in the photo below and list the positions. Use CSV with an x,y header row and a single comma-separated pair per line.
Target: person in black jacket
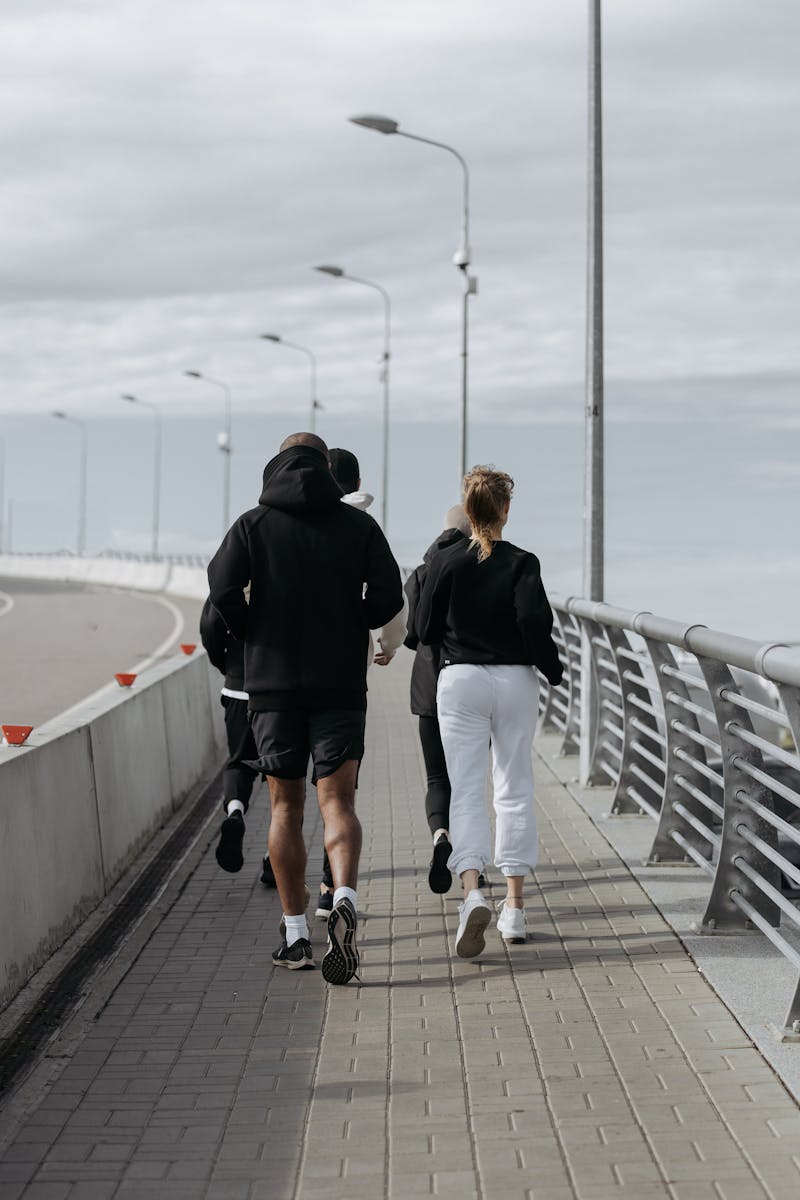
x,y
483,604
321,575
238,777
424,676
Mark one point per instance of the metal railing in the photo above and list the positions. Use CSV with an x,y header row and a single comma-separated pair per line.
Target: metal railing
x,y
698,730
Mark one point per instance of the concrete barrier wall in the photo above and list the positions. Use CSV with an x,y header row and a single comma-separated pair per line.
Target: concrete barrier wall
x,y
140,576
76,808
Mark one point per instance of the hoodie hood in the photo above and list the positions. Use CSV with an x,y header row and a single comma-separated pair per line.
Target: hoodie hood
x,y
298,480
358,499
447,538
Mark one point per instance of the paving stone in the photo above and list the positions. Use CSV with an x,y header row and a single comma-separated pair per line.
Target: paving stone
x,y
594,1057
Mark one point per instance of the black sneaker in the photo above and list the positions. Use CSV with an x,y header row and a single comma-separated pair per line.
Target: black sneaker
x,y
267,874
324,905
481,881
297,957
229,848
340,962
440,878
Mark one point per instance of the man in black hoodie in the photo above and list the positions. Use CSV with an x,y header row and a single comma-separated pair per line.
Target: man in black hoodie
x,y
321,576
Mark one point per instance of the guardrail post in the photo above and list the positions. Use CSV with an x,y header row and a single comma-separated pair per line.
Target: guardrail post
x,y
721,913
561,705
591,713
634,687
682,780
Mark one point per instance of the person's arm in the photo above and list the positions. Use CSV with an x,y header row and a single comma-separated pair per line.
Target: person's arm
x,y
383,598
391,635
431,614
535,620
228,576
413,586
213,635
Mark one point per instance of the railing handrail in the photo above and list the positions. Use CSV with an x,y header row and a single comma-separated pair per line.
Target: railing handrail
x,y
777,661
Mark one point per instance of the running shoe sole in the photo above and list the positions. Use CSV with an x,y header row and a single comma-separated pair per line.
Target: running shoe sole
x,y
440,878
472,940
229,848
340,962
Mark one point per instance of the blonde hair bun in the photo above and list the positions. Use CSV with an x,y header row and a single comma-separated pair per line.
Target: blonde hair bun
x,y
487,494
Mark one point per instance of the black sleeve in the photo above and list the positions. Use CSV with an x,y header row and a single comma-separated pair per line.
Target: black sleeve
x,y
413,587
433,604
228,576
535,620
213,635
384,594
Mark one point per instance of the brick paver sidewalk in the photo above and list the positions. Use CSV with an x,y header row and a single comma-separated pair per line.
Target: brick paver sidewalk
x,y
592,1062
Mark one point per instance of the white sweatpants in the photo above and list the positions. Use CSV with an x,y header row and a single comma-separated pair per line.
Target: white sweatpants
x,y
477,704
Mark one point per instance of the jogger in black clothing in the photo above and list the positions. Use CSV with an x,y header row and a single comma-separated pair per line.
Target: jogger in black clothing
x,y
227,655
321,575
424,675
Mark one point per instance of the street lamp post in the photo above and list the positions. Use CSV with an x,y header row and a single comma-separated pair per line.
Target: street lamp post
x,y
461,258
84,460
157,441
338,273
593,518
2,494
224,442
312,359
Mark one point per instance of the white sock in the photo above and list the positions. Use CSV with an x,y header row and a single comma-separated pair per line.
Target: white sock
x,y
441,833
474,894
234,806
344,894
296,928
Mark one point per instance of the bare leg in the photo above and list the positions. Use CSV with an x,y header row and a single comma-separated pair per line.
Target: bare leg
x,y
469,881
287,851
514,893
336,794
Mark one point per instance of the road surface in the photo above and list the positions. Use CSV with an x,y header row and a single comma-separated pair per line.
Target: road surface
x,y
60,642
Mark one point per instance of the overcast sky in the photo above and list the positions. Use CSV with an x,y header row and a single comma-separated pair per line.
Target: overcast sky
x,y
173,171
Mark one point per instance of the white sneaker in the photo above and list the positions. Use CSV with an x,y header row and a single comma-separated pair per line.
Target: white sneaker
x,y
473,917
511,923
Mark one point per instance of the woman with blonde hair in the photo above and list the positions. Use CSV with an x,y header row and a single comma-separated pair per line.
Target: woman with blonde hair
x,y
484,604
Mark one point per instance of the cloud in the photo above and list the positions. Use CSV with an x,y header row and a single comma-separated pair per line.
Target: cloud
x,y
173,173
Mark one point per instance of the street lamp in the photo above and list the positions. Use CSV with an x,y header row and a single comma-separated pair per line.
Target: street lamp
x,y
224,443
461,258
312,358
62,416
338,273
158,431
593,503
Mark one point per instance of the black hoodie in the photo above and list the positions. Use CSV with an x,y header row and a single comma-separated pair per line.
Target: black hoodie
x,y
425,671
322,575
224,652
488,612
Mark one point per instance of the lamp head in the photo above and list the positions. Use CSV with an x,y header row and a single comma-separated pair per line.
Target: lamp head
x,y
380,124
130,399
270,337
337,272
193,374
62,416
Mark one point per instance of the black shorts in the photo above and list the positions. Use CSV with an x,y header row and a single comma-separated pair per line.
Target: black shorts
x,y
286,739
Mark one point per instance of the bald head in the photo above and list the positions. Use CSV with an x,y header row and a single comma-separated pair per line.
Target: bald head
x,y
304,439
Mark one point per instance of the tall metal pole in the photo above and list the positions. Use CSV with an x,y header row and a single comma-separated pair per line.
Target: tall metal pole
x,y
157,445
593,512
2,494
224,445
461,258
84,472
312,359
339,273
84,462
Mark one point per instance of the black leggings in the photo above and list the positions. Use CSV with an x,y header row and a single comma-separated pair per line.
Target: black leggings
x,y
437,797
